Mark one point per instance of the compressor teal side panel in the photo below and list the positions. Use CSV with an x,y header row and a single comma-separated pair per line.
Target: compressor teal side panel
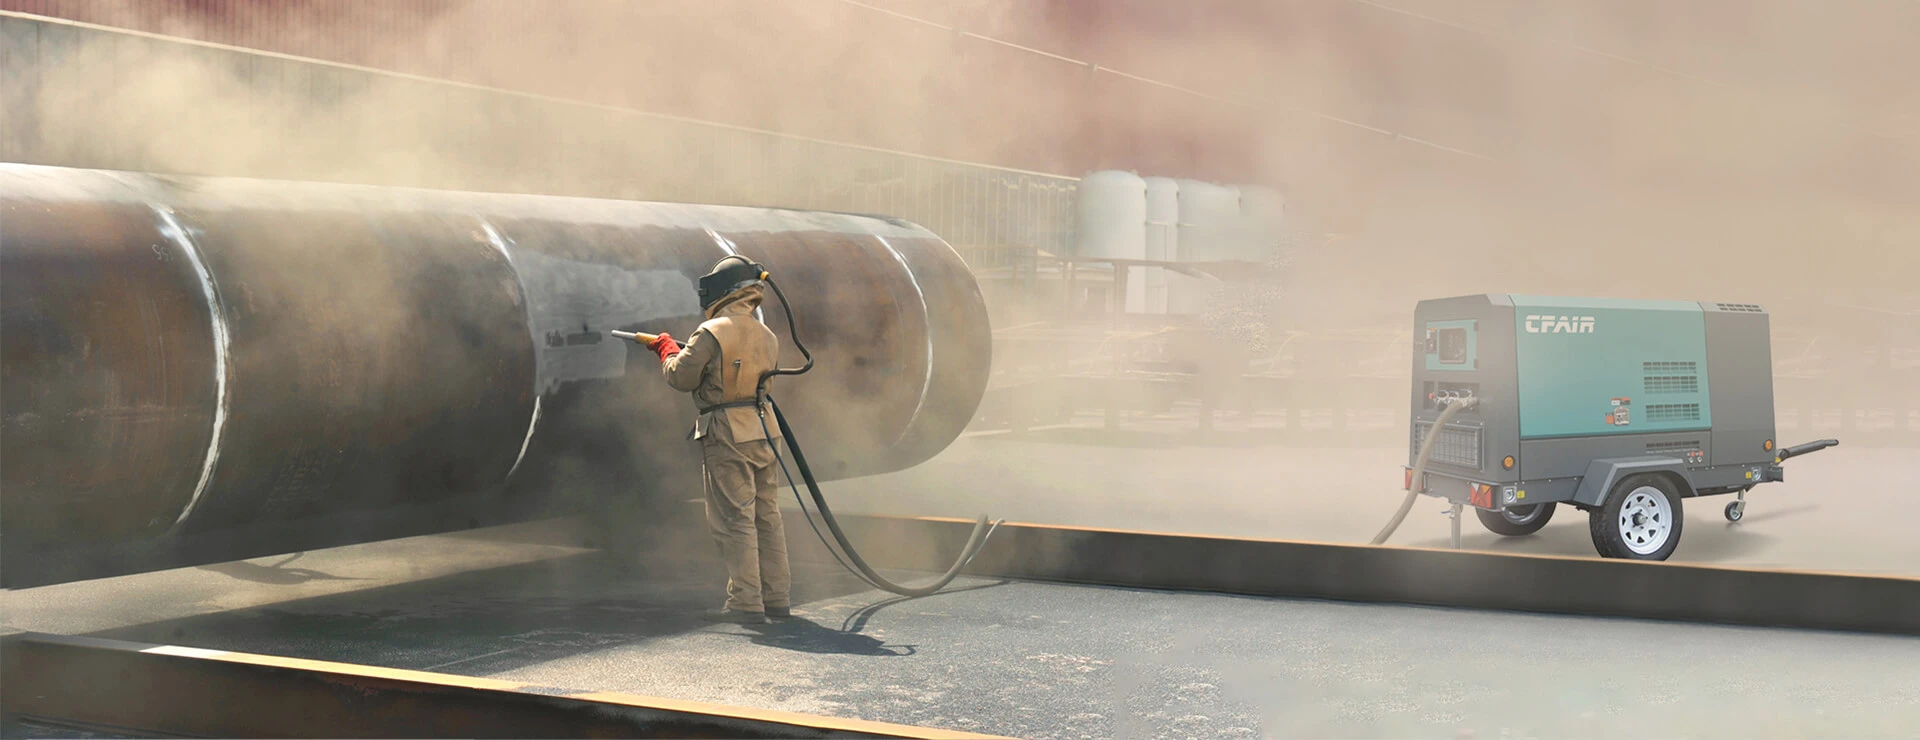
x,y
1581,359
1557,303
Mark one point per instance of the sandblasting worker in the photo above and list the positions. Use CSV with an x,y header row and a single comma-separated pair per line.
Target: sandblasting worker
x,y
723,365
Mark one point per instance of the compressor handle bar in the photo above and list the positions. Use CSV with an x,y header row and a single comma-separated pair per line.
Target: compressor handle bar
x,y
1802,449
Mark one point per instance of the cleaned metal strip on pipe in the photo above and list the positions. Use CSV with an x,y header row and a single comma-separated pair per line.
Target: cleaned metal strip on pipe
x,y
499,243
172,231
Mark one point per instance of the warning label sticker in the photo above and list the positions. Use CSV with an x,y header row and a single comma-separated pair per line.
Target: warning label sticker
x,y
1621,413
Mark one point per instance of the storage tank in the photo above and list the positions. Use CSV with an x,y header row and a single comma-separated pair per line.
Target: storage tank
x,y
1111,222
1264,212
208,369
1208,232
1163,238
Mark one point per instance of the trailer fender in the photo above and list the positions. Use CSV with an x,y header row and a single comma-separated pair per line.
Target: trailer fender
x,y
1602,474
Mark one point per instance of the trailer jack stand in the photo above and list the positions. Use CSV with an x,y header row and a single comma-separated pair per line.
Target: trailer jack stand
x,y
1454,514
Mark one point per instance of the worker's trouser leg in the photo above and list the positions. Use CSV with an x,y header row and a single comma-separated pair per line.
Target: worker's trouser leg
x,y
743,513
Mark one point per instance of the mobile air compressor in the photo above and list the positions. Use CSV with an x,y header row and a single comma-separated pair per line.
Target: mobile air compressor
x,y
1622,409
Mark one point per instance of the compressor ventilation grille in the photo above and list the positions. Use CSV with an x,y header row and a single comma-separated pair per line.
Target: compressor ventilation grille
x,y
1741,307
1673,384
1672,377
1456,446
1673,412
1659,447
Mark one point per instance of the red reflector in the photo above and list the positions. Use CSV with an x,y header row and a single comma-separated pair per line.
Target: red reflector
x,y
1409,484
1481,496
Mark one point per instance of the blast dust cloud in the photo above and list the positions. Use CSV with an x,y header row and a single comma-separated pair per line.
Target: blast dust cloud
x,y
1765,157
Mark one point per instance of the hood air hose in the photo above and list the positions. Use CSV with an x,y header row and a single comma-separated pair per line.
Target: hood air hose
x,y
858,566
1420,466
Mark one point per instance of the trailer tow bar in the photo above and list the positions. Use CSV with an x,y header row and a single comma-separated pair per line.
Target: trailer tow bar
x,y
1738,507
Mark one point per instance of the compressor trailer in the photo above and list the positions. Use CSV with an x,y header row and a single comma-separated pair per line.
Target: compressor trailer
x,y
1620,408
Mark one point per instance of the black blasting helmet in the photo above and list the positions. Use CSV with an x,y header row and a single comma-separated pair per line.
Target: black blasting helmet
x,y
728,275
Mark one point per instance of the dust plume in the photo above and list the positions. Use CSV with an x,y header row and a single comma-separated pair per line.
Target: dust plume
x,y
1773,168
1753,152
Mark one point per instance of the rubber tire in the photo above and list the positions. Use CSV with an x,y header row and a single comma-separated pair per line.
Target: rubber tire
x,y
1734,511
1499,524
1601,521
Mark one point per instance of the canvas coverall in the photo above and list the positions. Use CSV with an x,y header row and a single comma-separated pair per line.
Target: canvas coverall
x,y
722,363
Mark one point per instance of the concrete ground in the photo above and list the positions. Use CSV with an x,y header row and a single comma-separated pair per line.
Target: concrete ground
x,y
1028,660
1842,509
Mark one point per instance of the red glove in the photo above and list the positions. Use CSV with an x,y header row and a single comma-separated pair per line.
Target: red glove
x,y
665,346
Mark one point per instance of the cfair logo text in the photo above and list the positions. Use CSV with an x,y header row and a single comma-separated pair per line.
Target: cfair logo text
x,y
1549,324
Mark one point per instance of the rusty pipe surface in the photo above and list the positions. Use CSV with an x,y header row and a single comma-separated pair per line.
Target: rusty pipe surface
x,y
207,369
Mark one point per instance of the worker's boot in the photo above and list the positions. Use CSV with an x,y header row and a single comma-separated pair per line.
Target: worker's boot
x,y
779,612
735,616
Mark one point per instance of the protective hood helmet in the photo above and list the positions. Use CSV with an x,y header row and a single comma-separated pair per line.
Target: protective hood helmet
x,y
728,275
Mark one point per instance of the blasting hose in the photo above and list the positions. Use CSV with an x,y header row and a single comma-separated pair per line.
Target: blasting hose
x,y
1420,466
858,566
981,529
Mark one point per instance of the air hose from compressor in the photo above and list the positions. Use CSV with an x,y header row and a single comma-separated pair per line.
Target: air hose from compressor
x,y
1420,465
853,562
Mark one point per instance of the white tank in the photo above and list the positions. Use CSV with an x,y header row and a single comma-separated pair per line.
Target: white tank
x,y
1208,216
1209,231
1265,212
1112,215
1110,221
1163,238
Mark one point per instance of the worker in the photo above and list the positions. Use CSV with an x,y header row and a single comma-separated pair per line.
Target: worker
x,y
723,365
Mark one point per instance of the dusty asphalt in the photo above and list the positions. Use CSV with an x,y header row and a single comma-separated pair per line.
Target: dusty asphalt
x,y
531,603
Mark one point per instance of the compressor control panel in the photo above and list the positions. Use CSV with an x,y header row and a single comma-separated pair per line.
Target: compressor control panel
x,y
1452,345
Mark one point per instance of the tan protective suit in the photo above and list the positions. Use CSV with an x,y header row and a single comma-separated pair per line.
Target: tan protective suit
x,y
722,363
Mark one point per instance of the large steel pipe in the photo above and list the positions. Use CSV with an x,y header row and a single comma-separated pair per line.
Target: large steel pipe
x,y
205,369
